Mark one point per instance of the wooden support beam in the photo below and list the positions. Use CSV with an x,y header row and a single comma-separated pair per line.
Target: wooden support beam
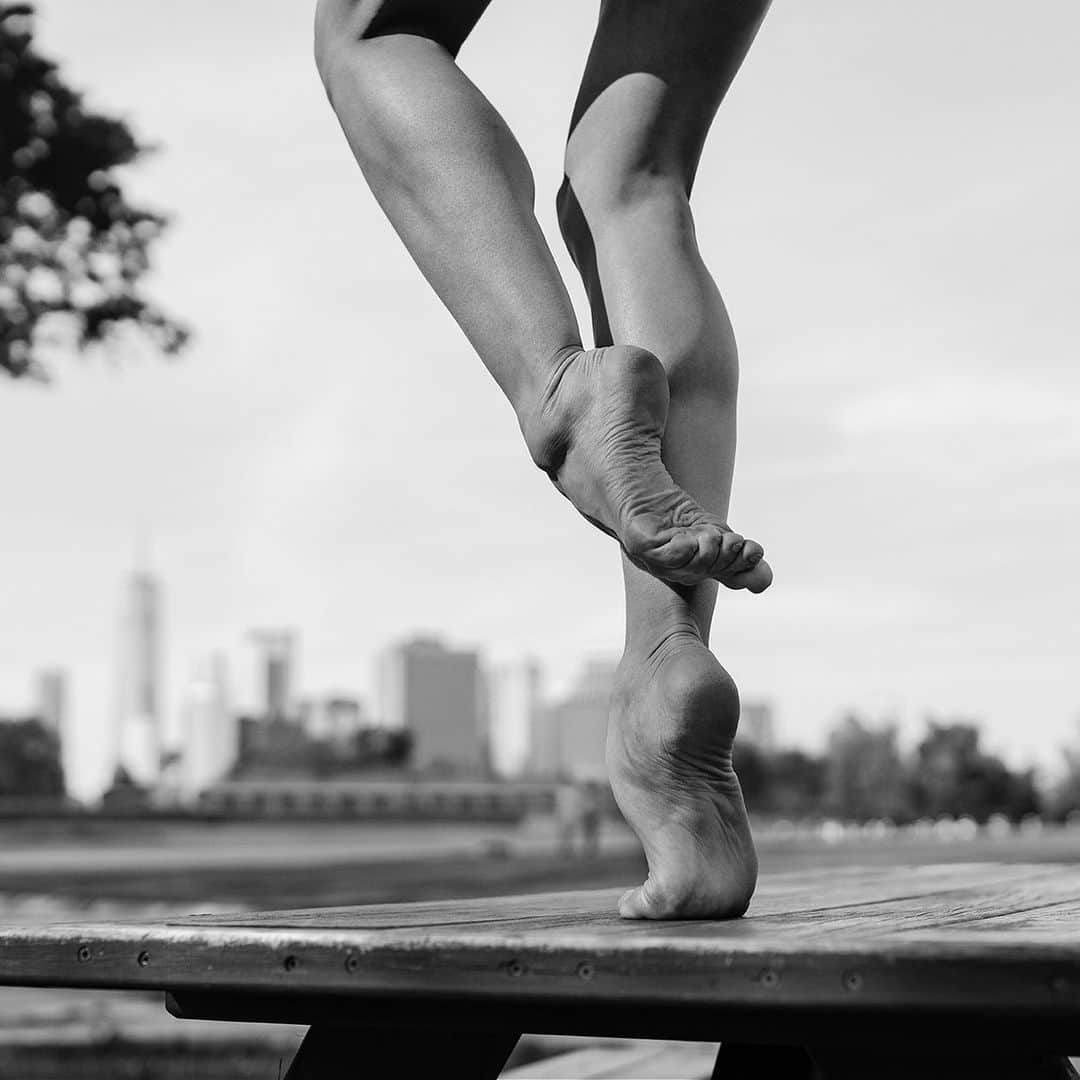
x,y
416,1053
888,1061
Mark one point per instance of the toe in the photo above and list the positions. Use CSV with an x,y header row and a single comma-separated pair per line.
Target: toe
x,y
638,904
757,579
749,556
730,546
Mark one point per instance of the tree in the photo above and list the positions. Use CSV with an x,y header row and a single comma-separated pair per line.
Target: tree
x,y
73,248
865,776
29,760
752,768
953,775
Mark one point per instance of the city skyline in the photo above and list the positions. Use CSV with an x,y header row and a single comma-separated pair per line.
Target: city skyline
x,y
464,712
907,419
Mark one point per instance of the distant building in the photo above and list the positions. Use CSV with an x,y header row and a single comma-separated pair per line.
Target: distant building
x,y
514,711
757,725
572,733
335,719
139,735
437,694
52,699
211,740
277,672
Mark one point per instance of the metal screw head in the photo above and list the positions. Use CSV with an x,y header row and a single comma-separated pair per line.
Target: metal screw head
x,y
585,970
290,963
852,981
769,978
352,962
83,954
516,969
143,958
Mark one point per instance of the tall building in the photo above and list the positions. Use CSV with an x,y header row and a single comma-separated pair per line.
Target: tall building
x,y
757,724
139,720
571,733
52,699
514,691
211,739
277,672
436,694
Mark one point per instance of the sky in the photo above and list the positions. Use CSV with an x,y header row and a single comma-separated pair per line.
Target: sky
x,y
888,202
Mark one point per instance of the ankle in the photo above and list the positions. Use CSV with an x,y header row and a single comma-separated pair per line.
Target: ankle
x,y
649,644
545,416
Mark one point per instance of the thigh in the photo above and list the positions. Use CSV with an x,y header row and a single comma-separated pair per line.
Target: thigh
x,y
448,22
656,73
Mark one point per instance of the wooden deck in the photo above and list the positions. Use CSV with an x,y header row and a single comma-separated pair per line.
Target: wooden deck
x,y
949,954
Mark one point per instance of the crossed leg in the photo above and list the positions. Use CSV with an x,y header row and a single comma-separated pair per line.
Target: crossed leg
x,y
457,187
654,79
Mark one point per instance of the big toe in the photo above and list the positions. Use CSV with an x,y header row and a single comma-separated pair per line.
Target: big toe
x,y
641,903
756,580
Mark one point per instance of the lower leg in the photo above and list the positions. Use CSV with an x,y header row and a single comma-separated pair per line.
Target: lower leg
x,y
625,214
675,708
458,190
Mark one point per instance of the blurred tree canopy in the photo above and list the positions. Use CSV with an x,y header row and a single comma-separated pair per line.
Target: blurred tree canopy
x,y
864,776
72,248
864,771
29,760
953,775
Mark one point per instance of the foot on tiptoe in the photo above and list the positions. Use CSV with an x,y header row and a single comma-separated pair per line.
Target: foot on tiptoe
x,y
669,746
596,431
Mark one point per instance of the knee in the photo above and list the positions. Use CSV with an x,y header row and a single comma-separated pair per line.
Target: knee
x,y
593,204
337,32
607,184
345,31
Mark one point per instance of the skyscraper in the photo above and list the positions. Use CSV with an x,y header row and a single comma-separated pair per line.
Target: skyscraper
x,y
514,712
574,731
277,663
52,699
210,729
139,742
437,695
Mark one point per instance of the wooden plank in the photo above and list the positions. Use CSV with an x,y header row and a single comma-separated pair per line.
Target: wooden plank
x,y
422,913
799,892
947,938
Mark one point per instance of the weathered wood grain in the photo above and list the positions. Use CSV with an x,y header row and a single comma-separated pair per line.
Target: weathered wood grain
x,y
983,940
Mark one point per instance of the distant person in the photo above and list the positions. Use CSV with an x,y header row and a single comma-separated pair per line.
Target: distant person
x,y
457,188
592,805
568,810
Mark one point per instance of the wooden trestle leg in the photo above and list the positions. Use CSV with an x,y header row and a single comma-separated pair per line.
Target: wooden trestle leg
x,y
404,1053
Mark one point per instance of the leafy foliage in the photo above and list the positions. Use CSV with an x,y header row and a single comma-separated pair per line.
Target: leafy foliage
x,y
864,776
953,775
73,248
29,760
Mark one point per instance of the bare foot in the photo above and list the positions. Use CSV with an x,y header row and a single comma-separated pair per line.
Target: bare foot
x,y
596,431
669,745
